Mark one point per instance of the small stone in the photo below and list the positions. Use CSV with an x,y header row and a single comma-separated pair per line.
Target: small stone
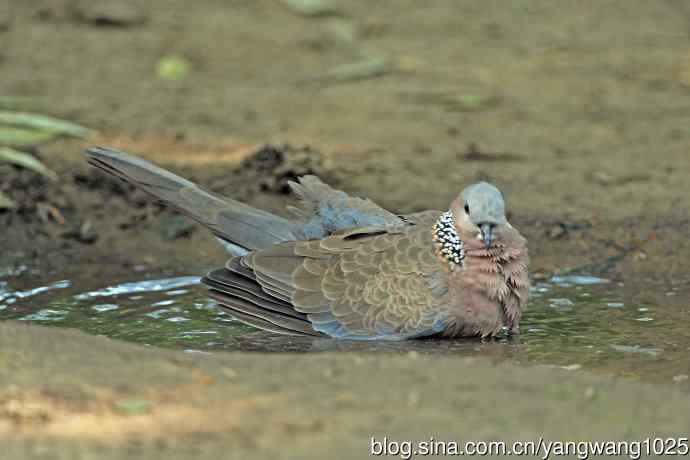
x,y
229,373
680,378
84,233
572,367
413,398
87,234
557,231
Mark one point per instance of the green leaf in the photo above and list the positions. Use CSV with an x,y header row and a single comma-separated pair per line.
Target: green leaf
x,y
6,202
26,161
173,67
473,102
133,406
43,123
311,7
22,137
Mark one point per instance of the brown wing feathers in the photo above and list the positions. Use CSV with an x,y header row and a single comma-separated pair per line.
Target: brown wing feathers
x,y
282,285
249,302
332,286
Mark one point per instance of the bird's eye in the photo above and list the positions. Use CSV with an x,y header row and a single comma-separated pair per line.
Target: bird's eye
x,y
467,208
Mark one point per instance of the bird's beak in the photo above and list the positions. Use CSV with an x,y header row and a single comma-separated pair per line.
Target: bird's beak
x,y
487,234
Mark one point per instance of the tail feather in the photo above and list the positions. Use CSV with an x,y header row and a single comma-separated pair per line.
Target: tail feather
x,y
236,223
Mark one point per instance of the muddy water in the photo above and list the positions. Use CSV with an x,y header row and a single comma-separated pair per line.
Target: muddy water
x,y
578,322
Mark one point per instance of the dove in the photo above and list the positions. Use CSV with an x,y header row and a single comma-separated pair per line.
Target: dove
x,y
346,268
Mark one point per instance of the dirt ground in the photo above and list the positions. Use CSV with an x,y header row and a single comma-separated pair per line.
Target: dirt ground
x,y
161,404
578,111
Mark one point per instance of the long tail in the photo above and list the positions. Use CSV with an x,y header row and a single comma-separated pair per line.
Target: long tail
x,y
241,226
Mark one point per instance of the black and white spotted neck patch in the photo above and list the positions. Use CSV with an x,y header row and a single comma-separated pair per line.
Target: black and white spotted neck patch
x,y
449,243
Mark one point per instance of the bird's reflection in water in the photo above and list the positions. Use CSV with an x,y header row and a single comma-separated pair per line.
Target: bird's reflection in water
x,y
500,348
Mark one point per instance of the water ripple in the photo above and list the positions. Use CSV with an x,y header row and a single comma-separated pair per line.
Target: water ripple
x,y
142,286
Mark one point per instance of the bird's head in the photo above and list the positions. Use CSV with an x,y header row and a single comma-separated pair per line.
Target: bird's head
x,y
479,210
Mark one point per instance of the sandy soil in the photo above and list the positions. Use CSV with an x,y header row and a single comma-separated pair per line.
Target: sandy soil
x,y
162,404
578,111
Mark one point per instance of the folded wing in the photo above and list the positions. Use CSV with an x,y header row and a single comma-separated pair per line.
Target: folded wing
x,y
363,283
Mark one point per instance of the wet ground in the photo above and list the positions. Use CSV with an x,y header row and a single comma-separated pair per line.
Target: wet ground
x,y
579,114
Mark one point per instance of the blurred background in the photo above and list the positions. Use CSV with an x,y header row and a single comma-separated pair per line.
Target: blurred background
x,y
578,111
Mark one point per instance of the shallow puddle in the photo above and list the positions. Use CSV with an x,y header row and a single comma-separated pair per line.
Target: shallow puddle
x,y
577,322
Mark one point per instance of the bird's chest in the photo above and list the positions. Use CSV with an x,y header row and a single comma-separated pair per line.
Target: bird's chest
x,y
476,292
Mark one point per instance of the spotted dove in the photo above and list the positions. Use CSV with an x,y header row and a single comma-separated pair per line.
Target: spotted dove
x,y
345,267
